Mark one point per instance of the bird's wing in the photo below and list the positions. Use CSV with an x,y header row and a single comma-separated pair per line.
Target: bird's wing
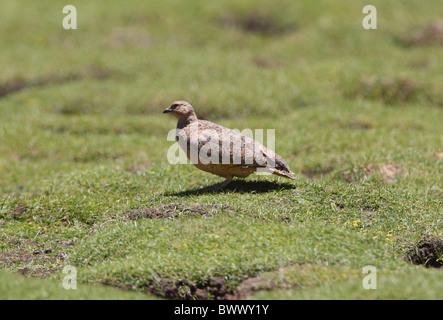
x,y
230,147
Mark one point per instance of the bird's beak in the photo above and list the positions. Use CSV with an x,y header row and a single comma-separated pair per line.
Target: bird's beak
x,y
167,110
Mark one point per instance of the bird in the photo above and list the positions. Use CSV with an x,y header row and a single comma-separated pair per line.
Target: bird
x,y
222,151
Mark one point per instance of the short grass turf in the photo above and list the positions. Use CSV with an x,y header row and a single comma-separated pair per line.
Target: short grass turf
x,y
84,176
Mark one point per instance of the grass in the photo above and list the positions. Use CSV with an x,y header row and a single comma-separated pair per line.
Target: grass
x,y
83,145
15,287
410,284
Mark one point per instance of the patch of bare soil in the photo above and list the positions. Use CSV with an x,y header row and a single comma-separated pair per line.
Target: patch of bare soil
x,y
18,84
19,210
428,252
139,168
318,172
210,289
176,211
430,35
359,125
13,85
389,90
389,173
264,63
31,258
129,37
257,22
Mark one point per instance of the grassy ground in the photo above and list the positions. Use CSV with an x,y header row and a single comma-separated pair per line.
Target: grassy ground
x,y
84,177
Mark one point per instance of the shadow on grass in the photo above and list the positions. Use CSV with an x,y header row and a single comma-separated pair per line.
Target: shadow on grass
x,y
236,186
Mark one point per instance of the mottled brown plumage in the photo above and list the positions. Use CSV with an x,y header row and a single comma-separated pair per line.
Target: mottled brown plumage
x,y
220,150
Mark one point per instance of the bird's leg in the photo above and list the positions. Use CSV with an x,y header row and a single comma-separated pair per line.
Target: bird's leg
x,y
224,183
219,185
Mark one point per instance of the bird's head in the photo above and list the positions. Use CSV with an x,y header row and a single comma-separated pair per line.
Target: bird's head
x,y
180,109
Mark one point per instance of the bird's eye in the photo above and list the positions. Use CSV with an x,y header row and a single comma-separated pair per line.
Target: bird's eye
x,y
174,106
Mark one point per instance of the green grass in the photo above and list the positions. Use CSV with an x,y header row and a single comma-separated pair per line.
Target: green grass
x,y
410,284
15,287
357,115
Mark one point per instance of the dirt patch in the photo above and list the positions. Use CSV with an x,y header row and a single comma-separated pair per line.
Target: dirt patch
x,y
19,210
428,252
97,155
389,90
264,63
259,21
13,85
388,173
18,84
430,35
139,168
130,38
318,172
217,288
209,289
359,173
30,258
359,125
176,211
